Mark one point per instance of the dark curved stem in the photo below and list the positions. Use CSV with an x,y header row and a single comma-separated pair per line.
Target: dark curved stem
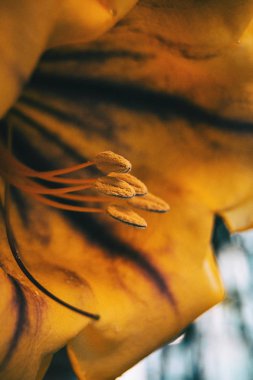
x,y
17,257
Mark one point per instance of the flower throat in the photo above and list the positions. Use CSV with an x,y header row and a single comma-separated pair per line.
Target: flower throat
x,y
58,189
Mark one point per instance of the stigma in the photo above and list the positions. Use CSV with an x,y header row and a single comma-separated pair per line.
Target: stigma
x,y
111,191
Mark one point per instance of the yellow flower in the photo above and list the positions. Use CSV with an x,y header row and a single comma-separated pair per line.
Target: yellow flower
x,y
170,88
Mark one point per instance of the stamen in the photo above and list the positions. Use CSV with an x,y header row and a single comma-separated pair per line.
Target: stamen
x,y
66,207
139,187
83,198
70,181
111,162
117,183
72,169
59,190
32,187
114,187
150,202
126,215
7,160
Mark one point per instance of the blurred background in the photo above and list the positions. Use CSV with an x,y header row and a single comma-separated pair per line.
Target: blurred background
x,y
219,344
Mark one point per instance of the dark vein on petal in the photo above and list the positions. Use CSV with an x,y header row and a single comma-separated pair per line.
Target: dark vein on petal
x,y
50,136
115,247
134,97
21,204
92,55
102,123
198,52
20,304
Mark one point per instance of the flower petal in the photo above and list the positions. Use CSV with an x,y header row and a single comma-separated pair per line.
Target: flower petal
x,y
179,119
240,217
28,28
25,28
85,20
36,326
146,310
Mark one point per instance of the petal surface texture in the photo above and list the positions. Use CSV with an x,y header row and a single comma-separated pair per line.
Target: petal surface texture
x,y
33,326
179,106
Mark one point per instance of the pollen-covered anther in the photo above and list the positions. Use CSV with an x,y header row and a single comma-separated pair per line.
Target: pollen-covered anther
x,y
139,187
111,162
150,202
126,215
114,187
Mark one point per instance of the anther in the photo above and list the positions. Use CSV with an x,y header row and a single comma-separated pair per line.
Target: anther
x,y
111,162
150,202
126,215
114,187
139,187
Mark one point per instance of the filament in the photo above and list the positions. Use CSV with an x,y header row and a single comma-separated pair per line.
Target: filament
x,y
70,181
32,187
83,198
66,207
52,173
7,159
115,182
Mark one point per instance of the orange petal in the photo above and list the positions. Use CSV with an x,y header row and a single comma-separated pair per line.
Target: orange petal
x,y
35,326
25,28
82,21
184,119
152,305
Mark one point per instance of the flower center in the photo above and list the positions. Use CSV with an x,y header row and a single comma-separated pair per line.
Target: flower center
x,y
56,189
52,189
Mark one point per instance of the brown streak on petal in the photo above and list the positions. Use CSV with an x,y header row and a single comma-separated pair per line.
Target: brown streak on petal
x,y
134,97
20,305
115,248
68,274
38,226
